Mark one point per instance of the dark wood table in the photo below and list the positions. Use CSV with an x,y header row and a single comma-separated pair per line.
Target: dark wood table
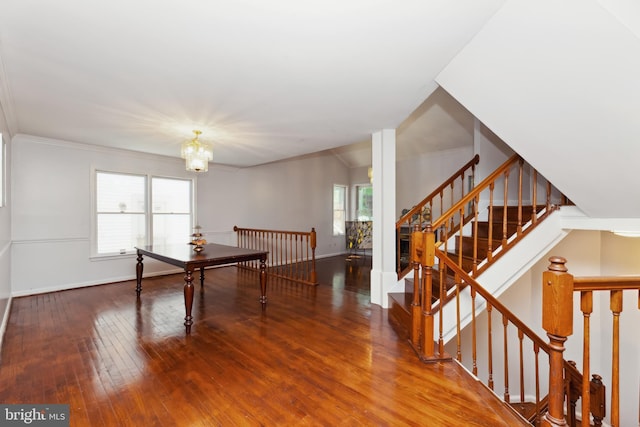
x,y
185,257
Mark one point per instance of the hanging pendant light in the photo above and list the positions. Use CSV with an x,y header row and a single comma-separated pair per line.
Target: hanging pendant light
x,y
197,154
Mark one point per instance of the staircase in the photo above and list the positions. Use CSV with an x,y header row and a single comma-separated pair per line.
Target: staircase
x,y
471,251
447,255
472,238
469,257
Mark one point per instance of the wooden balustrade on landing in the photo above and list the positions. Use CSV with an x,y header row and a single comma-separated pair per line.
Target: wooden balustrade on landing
x,y
292,254
558,288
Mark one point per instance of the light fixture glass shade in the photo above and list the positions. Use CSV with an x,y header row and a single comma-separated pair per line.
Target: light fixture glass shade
x,y
626,233
197,154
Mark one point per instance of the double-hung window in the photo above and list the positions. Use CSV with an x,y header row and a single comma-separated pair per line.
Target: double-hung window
x,y
171,212
339,209
134,210
364,202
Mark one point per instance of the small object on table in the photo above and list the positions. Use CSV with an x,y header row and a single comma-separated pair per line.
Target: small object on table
x,y
197,240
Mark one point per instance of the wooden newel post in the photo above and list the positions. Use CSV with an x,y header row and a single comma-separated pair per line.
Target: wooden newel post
x,y
557,320
416,250
312,243
427,261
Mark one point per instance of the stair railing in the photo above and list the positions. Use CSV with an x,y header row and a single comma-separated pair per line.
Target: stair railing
x,y
292,254
508,189
557,320
432,206
527,373
443,230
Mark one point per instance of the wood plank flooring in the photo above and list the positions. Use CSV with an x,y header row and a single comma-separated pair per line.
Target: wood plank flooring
x,y
316,356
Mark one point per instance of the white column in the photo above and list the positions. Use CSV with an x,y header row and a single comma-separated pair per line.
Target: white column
x,y
383,272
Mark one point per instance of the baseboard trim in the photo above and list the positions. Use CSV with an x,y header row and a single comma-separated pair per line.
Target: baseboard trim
x,y
3,326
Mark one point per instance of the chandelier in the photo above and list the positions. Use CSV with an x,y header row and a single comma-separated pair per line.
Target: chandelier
x,y
197,154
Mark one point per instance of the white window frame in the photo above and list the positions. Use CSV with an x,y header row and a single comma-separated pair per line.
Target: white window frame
x,y
357,214
333,210
148,210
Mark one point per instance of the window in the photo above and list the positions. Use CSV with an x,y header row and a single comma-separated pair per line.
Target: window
x,y
127,207
364,202
171,210
339,209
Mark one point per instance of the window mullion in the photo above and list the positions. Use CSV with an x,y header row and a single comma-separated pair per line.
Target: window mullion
x,y
149,210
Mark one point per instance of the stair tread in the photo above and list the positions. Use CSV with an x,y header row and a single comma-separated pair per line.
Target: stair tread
x,y
405,299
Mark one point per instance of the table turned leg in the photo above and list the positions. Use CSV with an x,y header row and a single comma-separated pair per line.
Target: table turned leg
x,y
201,277
139,275
263,282
188,300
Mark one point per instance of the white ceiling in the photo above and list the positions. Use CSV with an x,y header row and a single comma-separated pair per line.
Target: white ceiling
x,y
263,80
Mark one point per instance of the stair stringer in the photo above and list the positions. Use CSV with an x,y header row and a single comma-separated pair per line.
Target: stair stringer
x,y
505,272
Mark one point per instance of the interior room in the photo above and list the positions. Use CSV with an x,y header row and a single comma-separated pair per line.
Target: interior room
x,y
240,213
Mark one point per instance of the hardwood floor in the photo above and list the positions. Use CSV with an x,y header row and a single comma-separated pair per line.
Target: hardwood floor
x,y
315,356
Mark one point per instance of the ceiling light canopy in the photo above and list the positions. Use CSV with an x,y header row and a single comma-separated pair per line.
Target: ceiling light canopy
x,y
197,154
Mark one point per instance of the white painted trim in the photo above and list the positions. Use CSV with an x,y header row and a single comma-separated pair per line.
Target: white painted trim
x,y
5,316
3,326
55,240
91,283
116,280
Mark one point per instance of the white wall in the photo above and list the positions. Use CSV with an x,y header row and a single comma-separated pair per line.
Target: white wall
x,y
52,210
492,150
5,234
620,256
294,195
52,207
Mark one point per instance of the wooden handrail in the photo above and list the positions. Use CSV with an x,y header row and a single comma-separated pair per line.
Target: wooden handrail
x,y
604,283
429,243
424,210
292,254
470,196
451,223
495,303
454,219
451,180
